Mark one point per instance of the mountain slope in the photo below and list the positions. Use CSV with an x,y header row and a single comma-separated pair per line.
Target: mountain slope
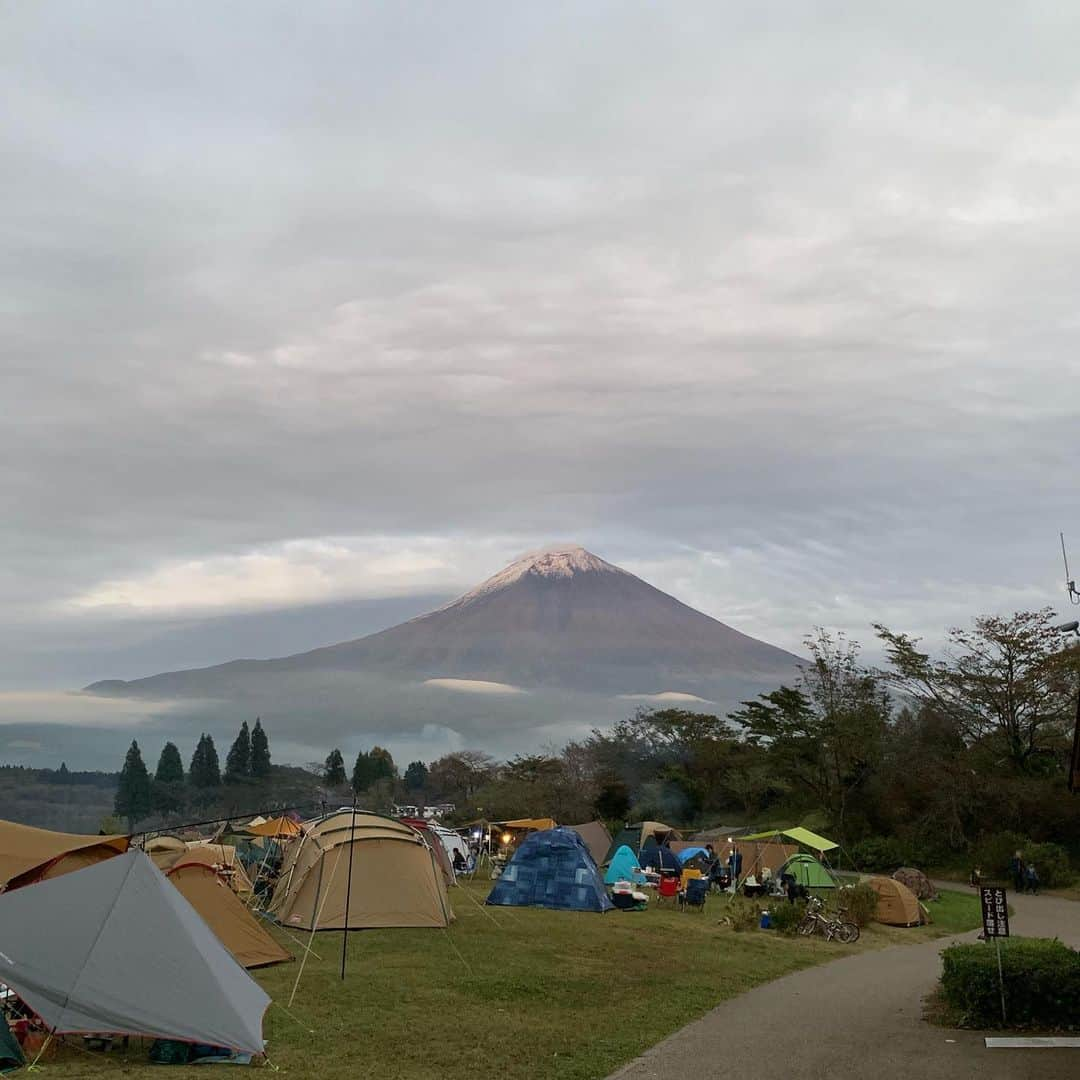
x,y
558,618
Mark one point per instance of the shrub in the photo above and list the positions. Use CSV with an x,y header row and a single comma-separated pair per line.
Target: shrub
x,y
858,902
878,853
993,852
786,917
1051,863
742,913
1042,983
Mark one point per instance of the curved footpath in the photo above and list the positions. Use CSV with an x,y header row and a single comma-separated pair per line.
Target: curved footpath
x,y
860,1016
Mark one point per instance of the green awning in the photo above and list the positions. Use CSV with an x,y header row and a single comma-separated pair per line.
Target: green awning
x,y
799,835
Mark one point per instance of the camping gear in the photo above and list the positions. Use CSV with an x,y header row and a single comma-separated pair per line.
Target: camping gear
x,y
115,948
798,835
694,893
624,866
808,872
766,921
11,1055
225,913
278,828
438,849
659,857
395,879
28,854
897,905
597,839
917,882
637,835
685,852
552,869
667,888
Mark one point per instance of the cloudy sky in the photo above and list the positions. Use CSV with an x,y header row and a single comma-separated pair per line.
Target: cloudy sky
x,y
315,315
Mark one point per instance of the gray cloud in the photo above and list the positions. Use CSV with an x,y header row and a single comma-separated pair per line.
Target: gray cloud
x,y
775,308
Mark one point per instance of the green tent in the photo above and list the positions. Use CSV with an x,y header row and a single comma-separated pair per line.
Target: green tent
x,y
11,1055
806,870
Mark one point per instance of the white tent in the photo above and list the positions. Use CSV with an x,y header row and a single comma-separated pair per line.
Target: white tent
x,y
452,841
116,948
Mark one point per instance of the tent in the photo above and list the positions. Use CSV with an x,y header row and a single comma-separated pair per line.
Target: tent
x,y
797,835
806,870
170,851
280,828
529,824
452,842
438,849
685,852
897,905
659,857
917,882
114,947
395,879
226,914
597,839
637,835
11,1055
552,869
624,867
28,854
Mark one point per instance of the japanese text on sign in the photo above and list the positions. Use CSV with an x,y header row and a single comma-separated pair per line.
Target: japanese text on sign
x,y
995,911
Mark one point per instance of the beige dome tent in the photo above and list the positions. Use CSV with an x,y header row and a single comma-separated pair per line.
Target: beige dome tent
x,y
395,879
897,905
224,912
170,851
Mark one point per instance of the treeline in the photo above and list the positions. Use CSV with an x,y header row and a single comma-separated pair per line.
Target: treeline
x,y
171,790
926,760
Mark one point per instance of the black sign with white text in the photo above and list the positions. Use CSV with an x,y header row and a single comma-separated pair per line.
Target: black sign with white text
x,y
995,911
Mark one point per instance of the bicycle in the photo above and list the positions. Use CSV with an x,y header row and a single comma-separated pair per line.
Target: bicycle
x,y
831,926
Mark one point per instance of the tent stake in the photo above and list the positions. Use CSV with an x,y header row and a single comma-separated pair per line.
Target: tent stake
x,y
348,890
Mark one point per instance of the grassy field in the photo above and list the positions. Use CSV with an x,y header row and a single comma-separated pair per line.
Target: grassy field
x,y
524,994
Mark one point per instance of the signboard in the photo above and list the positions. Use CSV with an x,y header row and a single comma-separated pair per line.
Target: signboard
x,y
995,911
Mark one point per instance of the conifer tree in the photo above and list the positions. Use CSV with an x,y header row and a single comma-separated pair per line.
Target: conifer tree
x,y
238,760
334,770
260,751
416,776
205,771
170,769
133,796
362,775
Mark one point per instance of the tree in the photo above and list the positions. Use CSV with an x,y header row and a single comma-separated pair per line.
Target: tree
x,y
133,796
170,769
260,752
825,735
334,769
205,771
238,760
62,774
458,775
363,775
1006,682
613,801
382,764
416,776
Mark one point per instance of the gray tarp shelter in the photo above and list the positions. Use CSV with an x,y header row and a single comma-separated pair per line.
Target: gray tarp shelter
x,y
115,948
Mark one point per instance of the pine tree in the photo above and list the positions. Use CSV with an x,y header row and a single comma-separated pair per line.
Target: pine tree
x,y
238,760
362,775
382,764
260,752
62,774
133,796
416,776
334,770
170,769
205,771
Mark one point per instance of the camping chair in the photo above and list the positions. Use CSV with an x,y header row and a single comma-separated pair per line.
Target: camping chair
x,y
694,895
668,888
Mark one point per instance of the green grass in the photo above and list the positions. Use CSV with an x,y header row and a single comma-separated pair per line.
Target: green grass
x,y
524,993
955,912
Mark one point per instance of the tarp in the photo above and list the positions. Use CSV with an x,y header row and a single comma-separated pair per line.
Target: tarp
x,y
395,879
278,827
226,914
597,839
624,867
799,835
806,870
684,854
116,948
27,852
552,869
537,823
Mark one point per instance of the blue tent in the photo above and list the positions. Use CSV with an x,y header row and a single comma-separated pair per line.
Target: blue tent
x,y
660,857
687,854
624,867
552,869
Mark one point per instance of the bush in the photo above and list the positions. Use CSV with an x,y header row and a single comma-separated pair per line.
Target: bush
x,y
858,903
993,852
1042,983
879,853
742,913
1051,863
786,917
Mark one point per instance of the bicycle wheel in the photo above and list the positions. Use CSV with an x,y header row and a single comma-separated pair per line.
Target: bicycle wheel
x,y
807,926
847,933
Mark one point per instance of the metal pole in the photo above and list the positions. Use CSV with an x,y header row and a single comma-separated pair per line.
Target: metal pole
x,y
348,889
1001,979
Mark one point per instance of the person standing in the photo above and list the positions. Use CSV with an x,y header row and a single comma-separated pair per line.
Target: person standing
x,y
1016,869
1031,879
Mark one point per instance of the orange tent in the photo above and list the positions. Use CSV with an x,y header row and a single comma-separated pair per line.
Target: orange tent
x,y
897,905
281,828
28,854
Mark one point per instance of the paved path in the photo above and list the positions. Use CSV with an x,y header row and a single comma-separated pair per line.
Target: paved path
x,y
860,1016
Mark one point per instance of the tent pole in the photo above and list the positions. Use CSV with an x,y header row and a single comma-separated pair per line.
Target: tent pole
x,y
315,923
348,889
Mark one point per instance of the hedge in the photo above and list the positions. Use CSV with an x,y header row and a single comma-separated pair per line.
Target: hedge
x,y
1042,984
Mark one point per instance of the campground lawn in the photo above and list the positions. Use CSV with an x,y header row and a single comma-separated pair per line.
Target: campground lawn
x,y
521,993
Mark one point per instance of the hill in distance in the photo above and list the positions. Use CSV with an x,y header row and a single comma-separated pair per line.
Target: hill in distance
x,y
558,619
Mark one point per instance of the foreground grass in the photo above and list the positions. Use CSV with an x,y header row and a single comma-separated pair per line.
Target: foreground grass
x,y
523,993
